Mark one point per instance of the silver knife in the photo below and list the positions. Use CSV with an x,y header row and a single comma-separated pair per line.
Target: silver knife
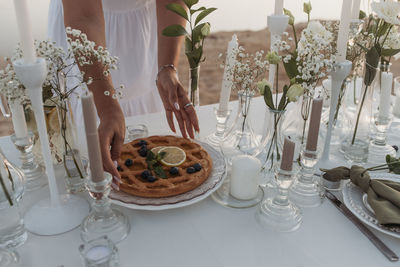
x,y
370,235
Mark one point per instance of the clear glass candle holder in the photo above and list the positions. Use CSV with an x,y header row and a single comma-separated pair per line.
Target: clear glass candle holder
x,y
9,258
136,131
222,117
103,219
378,148
306,190
279,213
100,252
34,174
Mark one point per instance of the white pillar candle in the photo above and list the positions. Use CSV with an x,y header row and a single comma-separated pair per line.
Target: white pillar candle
x,y
344,28
228,75
244,177
25,31
92,138
99,255
18,119
355,9
278,7
386,91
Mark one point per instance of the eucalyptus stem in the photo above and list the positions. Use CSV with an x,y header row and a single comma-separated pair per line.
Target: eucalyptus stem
x,y
359,113
8,196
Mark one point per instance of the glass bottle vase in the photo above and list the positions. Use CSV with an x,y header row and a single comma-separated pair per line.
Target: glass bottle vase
x,y
356,145
12,182
240,138
75,164
272,143
194,79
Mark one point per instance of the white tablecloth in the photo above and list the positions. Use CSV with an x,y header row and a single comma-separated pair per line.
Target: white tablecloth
x,y
207,234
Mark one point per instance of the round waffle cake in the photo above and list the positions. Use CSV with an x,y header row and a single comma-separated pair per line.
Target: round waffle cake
x,y
133,183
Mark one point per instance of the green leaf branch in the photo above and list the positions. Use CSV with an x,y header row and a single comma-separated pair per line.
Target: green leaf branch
x,y
194,40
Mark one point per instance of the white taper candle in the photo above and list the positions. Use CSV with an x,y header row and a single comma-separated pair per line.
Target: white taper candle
x,y
25,31
355,9
386,91
278,7
228,75
18,119
344,28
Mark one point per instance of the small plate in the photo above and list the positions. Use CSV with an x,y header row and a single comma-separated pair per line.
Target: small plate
x,y
213,182
355,199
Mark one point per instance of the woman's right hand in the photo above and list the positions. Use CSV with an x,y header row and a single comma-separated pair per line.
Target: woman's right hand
x,y
111,134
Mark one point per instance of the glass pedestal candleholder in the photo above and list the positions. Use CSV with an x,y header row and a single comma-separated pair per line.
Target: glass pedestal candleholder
x,y
9,258
279,213
215,138
136,131
100,252
102,219
306,190
378,148
35,176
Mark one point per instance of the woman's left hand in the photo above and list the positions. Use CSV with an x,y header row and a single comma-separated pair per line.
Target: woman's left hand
x,y
176,102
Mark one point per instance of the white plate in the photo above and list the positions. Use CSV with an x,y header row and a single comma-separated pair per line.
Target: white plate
x,y
353,198
213,182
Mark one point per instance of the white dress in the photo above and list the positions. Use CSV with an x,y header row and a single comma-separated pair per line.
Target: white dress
x,y
131,35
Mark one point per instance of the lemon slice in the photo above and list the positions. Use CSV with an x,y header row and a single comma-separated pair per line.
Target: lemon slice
x,y
174,156
156,149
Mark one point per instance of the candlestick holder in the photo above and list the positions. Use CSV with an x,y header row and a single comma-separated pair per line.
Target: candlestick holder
x,y
222,116
306,190
34,173
378,148
279,213
339,73
103,220
58,213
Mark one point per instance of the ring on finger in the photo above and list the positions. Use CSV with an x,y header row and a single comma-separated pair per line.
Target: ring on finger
x,y
188,105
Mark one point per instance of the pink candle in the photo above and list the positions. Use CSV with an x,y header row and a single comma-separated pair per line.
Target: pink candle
x,y
315,120
287,155
90,118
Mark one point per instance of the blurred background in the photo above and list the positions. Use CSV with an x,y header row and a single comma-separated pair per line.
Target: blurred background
x,y
248,19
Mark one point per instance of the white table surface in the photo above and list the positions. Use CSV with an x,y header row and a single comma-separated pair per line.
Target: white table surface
x,y
207,234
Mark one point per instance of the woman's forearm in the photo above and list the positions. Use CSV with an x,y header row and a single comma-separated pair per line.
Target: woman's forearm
x,y
168,47
88,17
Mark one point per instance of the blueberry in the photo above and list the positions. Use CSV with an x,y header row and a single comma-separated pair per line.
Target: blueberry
x,y
197,167
151,179
174,171
142,143
396,148
128,162
119,168
190,170
143,152
145,174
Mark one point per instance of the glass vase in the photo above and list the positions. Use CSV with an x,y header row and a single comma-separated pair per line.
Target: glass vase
x,y
295,123
75,164
12,180
272,144
194,78
341,124
240,138
355,146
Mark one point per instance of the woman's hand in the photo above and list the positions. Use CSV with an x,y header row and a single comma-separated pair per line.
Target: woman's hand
x,y
111,134
176,102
